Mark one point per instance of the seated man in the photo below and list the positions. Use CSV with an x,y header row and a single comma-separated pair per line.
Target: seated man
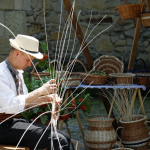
x,y
14,98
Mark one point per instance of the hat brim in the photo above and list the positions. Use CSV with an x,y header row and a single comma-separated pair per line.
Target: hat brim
x,y
37,55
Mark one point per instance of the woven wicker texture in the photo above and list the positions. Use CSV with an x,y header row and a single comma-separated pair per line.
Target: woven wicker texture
x,y
123,78
74,77
145,16
4,116
100,133
134,132
108,64
130,11
41,74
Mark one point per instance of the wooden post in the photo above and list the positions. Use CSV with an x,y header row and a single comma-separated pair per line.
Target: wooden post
x,y
133,100
79,34
135,43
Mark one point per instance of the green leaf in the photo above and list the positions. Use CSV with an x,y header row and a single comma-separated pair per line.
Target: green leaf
x,y
35,110
44,119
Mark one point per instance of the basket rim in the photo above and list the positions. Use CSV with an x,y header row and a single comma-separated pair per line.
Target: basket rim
x,y
111,119
118,74
144,117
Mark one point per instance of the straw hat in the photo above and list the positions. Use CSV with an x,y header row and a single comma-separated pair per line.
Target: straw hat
x,y
27,44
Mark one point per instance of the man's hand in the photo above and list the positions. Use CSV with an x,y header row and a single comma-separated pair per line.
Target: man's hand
x,y
55,98
49,87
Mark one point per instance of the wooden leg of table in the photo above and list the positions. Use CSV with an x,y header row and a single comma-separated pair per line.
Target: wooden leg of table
x,y
78,119
142,106
66,96
133,100
110,111
69,135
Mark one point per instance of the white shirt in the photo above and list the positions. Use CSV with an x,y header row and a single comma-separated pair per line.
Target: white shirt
x,y
10,102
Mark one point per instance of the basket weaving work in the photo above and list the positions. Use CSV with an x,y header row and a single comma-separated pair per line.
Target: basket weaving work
x,y
100,133
123,78
130,11
108,64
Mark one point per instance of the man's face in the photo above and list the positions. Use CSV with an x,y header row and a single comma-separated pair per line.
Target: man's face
x,y
24,60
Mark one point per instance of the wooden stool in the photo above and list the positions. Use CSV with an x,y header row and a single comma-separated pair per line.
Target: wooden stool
x,y
10,147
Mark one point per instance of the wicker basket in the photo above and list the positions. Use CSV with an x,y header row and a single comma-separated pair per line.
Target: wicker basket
x,y
142,80
108,64
4,116
118,143
41,74
123,78
94,79
145,17
74,78
130,11
100,133
134,133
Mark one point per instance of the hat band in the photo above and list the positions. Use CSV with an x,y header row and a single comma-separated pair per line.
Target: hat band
x,y
28,51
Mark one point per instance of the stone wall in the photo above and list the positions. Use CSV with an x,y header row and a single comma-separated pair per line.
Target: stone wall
x,y
26,17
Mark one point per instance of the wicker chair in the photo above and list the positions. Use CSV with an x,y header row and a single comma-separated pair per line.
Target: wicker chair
x,y
4,116
108,64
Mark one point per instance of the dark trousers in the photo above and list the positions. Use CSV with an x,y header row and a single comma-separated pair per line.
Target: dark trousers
x,y
12,130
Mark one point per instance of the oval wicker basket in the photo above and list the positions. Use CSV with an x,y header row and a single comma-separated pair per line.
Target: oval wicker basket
x,y
134,133
108,64
145,17
100,133
74,78
38,75
130,11
123,78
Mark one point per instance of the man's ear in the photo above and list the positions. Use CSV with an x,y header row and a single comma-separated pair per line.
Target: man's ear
x,y
17,53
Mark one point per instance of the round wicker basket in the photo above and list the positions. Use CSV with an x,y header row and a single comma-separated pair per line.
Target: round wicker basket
x,y
134,133
108,64
130,11
100,133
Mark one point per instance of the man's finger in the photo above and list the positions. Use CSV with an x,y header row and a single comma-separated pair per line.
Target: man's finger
x,y
52,81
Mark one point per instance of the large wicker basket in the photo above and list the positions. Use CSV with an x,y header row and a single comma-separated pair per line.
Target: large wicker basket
x,y
100,133
108,64
130,11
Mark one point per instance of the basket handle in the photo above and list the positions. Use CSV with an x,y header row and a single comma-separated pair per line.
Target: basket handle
x,y
36,65
117,134
142,5
78,62
136,64
139,2
116,142
58,63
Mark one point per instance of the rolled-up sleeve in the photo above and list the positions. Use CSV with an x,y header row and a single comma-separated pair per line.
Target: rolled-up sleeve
x,y
9,102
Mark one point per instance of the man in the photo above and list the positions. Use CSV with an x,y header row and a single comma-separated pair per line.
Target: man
x,y
14,98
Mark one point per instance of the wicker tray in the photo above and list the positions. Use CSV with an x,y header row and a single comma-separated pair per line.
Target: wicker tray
x,y
108,64
130,11
123,78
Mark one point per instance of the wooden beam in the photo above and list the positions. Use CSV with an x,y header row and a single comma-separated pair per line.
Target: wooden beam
x,y
135,43
79,33
148,4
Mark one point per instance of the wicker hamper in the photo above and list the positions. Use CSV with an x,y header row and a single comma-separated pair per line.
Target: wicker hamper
x,y
130,11
100,133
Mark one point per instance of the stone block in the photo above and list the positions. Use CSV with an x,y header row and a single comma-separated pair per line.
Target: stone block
x,y
103,44
53,17
120,49
2,29
120,43
6,4
95,5
128,27
129,41
16,22
114,38
36,4
54,36
2,58
146,43
124,22
59,6
129,33
145,57
22,5
4,46
111,5
77,4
